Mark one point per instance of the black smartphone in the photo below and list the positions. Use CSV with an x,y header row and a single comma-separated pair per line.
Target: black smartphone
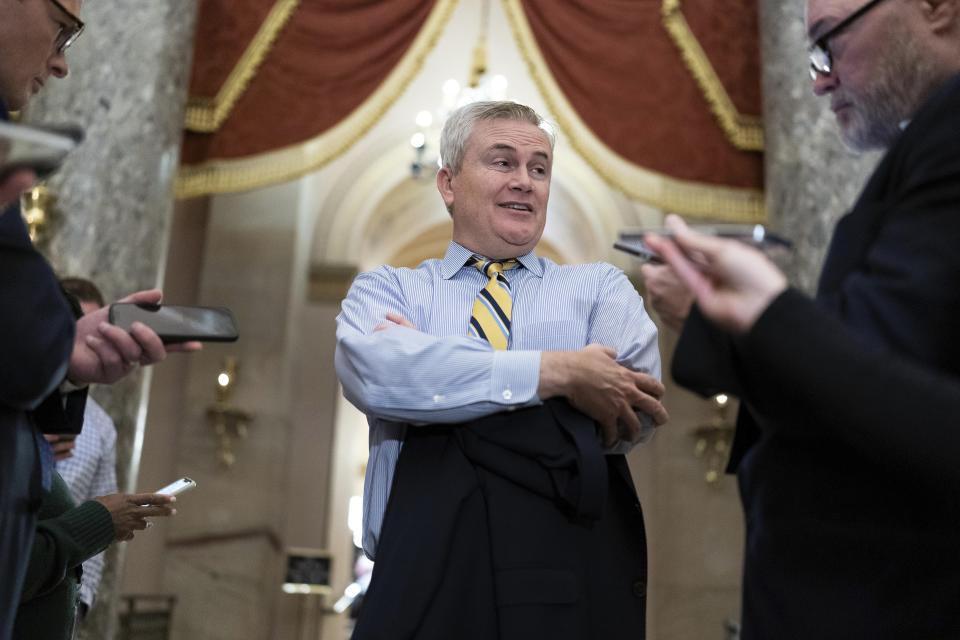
x,y
41,149
178,323
638,249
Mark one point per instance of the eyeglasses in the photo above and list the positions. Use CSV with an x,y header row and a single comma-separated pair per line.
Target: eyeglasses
x,y
821,60
67,35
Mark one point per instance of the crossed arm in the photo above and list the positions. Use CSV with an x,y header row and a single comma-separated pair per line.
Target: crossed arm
x,y
392,370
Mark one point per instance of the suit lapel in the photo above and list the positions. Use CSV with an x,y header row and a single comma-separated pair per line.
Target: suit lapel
x,y
854,234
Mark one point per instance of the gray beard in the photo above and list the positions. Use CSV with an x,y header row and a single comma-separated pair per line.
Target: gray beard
x,y
903,82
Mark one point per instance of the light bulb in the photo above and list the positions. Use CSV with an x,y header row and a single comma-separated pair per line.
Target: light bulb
x,y
424,119
498,87
451,87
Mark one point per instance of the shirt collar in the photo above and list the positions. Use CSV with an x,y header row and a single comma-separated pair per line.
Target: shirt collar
x,y
457,256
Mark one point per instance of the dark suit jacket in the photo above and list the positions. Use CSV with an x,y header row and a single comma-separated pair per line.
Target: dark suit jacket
x,y
36,339
849,535
927,401
515,526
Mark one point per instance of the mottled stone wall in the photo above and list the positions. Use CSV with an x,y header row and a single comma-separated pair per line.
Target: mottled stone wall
x,y
811,178
127,89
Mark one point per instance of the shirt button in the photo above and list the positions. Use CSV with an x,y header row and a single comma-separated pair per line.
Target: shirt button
x,y
639,588
507,394
438,398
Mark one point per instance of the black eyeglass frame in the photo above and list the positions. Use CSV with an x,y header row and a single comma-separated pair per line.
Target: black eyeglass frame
x,y
66,37
821,60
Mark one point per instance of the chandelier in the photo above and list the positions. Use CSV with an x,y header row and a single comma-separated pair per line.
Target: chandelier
x,y
480,86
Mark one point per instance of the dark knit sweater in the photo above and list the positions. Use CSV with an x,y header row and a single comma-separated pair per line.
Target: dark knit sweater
x,y
66,536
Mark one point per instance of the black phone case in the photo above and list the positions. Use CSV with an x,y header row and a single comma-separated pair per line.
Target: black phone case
x,y
116,317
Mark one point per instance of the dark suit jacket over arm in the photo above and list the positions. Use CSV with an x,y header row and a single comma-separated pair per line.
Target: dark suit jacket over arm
x,y
514,526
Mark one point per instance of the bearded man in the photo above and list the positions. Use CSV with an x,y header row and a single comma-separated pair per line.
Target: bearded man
x,y
850,532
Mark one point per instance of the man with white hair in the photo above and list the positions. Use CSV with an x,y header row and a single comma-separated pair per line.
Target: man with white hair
x,y
494,382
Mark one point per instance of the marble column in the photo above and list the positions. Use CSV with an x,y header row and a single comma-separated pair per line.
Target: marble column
x,y
811,178
127,89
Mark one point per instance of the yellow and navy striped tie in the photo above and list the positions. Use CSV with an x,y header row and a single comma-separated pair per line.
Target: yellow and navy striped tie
x,y
493,307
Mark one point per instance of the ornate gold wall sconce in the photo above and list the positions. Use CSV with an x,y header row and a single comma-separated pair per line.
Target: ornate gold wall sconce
x,y
713,439
39,207
229,423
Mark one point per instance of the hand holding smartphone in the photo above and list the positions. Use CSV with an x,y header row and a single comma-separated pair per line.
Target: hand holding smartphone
x,y
173,489
753,234
41,149
177,323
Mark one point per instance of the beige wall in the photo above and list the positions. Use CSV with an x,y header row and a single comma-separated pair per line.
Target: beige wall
x,y
694,529
143,566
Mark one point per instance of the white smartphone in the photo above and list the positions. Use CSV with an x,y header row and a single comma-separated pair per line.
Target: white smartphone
x,y
39,148
178,487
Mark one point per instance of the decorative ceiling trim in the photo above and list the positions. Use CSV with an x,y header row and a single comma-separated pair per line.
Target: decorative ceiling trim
x,y
282,165
204,114
694,199
744,132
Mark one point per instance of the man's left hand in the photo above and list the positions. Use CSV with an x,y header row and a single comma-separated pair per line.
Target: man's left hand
x,y
104,353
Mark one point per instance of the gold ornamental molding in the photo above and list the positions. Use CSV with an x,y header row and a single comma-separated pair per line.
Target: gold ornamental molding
x,y
204,114
744,132
294,161
689,198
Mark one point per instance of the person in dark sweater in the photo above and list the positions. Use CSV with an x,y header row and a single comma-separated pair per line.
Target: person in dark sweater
x,y
66,536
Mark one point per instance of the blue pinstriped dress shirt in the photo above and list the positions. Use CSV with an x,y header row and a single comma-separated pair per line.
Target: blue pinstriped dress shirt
x,y
439,374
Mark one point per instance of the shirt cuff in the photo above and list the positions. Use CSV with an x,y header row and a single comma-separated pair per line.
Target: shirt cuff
x,y
514,377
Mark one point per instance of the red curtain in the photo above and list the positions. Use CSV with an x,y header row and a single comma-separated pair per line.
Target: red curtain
x,y
618,67
328,58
